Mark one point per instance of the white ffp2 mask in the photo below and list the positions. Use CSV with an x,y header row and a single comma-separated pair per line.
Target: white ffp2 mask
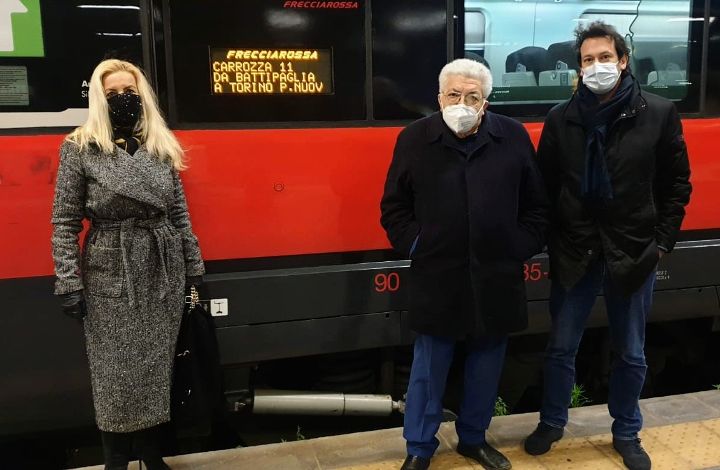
x,y
461,118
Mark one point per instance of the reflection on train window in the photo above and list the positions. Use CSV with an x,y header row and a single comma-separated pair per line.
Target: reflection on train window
x,y
530,49
50,52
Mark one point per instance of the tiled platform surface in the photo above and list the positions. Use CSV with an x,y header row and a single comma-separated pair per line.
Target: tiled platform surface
x,y
682,432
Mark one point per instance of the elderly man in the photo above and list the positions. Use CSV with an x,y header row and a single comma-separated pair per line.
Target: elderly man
x,y
616,168
464,200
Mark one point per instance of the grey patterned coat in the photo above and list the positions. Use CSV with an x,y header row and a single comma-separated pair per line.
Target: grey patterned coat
x,y
136,256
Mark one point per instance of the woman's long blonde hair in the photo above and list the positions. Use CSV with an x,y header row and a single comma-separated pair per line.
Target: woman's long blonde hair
x,y
151,127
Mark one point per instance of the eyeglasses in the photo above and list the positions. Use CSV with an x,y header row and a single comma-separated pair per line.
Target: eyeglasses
x,y
471,99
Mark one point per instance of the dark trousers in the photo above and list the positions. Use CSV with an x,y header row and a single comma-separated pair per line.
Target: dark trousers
x,y
627,316
423,409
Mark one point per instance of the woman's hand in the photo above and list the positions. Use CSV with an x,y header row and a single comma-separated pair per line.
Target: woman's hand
x,y
73,305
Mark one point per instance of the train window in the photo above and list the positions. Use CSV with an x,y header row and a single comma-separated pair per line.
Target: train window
x,y
409,48
266,61
713,81
474,33
48,56
529,48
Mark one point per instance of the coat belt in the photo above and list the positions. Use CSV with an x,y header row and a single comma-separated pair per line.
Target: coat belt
x,y
127,228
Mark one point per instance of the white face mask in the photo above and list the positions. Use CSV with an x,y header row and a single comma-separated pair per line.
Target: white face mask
x,y
601,77
461,118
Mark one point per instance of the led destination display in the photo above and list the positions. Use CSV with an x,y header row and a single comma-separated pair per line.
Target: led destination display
x,y
271,71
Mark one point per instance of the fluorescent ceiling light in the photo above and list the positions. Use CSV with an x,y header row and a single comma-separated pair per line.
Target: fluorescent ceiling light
x,y
683,20
110,7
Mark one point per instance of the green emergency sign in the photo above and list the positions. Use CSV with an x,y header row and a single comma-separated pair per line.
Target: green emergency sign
x,y
21,29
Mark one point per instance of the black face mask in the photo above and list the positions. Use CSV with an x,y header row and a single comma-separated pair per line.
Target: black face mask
x,y
125,109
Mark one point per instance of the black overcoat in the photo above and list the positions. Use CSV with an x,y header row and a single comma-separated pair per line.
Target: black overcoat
x,y
650,175
476,218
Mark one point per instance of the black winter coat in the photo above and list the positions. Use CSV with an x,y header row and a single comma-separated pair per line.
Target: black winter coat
x,y
476,219
649,171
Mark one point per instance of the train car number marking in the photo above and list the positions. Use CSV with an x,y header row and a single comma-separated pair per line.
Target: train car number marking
x,y
389,282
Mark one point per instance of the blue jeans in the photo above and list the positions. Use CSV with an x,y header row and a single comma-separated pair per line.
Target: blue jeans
x,y
423,408
627,316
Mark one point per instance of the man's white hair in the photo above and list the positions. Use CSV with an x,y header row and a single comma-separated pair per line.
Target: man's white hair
x,y
470,69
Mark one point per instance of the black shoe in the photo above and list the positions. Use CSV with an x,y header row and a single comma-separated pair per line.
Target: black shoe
x,y
542,438
633,454
413,462
147,442
486,455
117,448
157,464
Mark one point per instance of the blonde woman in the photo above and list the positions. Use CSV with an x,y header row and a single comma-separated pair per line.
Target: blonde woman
x,y
120,170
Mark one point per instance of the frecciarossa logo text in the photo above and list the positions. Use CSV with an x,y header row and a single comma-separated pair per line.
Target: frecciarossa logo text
x,y
320,5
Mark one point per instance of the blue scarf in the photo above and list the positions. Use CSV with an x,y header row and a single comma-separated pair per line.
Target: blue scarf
x,y
596,184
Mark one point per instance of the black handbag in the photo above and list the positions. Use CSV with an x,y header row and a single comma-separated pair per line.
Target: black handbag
x,y
197,392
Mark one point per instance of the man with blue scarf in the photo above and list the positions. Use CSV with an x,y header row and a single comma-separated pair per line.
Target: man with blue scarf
x,y
617,173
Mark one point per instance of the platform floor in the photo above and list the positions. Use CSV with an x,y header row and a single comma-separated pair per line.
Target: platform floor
x,y
681,432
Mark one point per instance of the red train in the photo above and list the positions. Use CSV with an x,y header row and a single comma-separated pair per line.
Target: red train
x,y
284,187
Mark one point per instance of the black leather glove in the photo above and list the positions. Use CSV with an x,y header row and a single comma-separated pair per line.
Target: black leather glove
x,y
73,305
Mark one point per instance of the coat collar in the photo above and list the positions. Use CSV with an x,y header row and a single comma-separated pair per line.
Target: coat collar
x,y
138,176
637,104
437,128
